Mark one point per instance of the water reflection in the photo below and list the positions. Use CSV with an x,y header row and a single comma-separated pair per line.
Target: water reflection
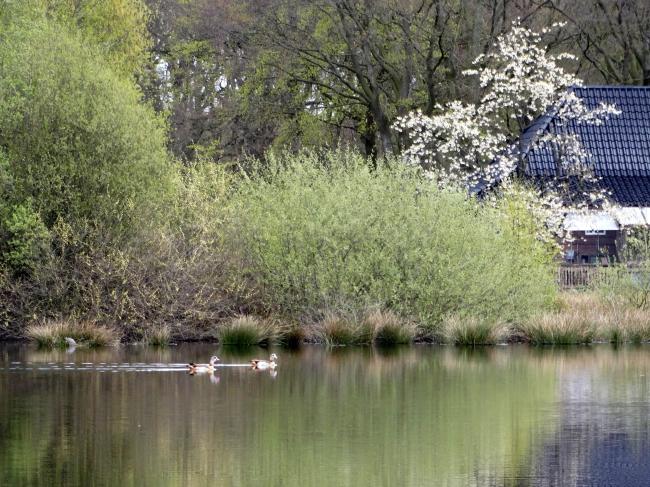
x,y
406,416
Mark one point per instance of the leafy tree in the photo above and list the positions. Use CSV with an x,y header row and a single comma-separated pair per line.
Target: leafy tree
x,y
251,75
79,145
117,28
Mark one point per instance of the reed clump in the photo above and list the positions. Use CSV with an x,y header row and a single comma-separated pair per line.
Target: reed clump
x,y
246,331
52,334
587,317
568,327
336,330
374,326
472,331
157,336
290,335
625,325
388,328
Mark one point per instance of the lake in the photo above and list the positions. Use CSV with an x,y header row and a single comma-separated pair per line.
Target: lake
x,y
411,416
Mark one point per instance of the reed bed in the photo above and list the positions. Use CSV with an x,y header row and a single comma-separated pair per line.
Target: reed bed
x,y
387,328
246,331
52,334
586,318
472,331
157,336
378,327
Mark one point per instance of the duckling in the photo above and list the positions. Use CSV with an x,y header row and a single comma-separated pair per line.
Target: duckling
x,y
193,368
265,364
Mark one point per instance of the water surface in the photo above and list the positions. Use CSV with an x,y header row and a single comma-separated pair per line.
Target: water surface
x,y
410,416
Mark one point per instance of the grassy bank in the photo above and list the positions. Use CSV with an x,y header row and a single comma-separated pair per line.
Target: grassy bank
x,y
578,318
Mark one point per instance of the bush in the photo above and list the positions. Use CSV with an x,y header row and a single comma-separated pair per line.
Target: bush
x,y
80,145
620,285
324,231
26,240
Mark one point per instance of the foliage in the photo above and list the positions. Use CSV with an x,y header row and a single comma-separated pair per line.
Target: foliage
x,y
519,81
79,144
25,240
636,247
629,286
325,232
260,74
115,28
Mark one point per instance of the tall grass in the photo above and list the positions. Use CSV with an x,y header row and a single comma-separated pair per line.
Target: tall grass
x,y
157,336
52,334
588,317
471,331
341,330
374,326
563,328
388,328
246,331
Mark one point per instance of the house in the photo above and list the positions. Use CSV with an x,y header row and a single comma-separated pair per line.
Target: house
x,y
619,152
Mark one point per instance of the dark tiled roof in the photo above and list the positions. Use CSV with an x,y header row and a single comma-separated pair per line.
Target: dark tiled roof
x,y
619,148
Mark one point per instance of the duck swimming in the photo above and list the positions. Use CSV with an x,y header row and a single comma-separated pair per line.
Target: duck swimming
x,y
265,364
193,368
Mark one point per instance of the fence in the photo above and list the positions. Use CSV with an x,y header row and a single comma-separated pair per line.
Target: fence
x,y
575,276
581,276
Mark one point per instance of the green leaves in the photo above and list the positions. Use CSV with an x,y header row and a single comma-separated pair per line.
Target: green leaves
x,y
79,143
323,231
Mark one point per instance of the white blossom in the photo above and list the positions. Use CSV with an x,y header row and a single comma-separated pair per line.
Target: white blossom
x,y
468,143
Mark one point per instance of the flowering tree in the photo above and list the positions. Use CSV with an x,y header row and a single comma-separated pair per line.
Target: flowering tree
x,y
519,81
465,144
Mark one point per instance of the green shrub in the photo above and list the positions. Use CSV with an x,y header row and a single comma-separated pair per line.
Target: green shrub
x,y
620,285
324,231
26,240
80,144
